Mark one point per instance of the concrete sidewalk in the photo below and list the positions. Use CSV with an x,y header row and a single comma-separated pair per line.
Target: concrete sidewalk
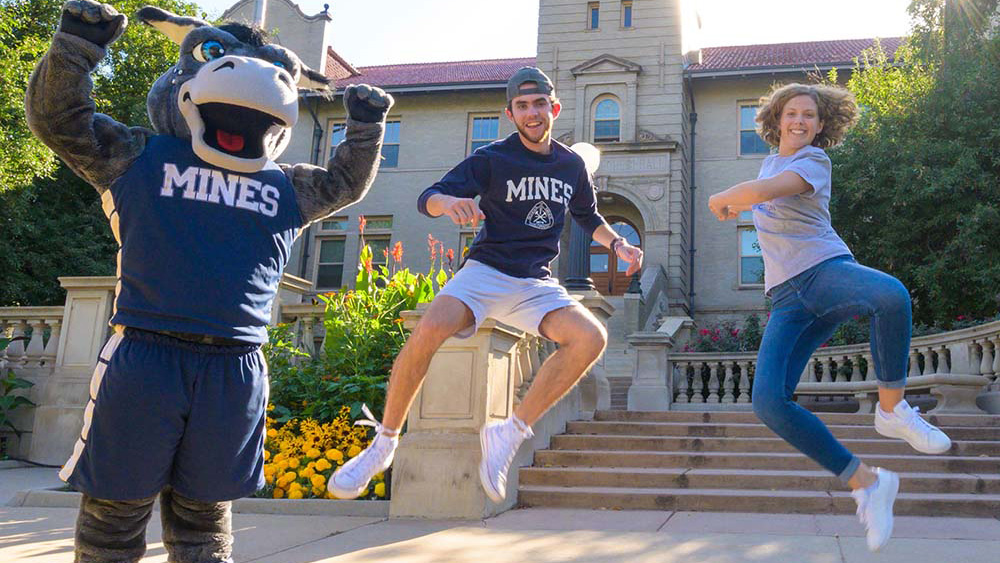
x,y
45,535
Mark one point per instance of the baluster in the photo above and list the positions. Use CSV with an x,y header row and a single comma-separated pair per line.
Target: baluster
x,y
826,377
744,396
856,368
928,354
914,364
682,383
308,337
839,370
52,346
36,344
713,383
986,363
944,361
697,383
728,384
869,368
15,350
996,356
974,357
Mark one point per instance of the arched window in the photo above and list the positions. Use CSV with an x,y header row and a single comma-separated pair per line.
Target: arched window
x,y
607,121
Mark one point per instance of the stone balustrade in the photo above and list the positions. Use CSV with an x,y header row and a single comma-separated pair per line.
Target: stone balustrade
x,y
41,326
966,358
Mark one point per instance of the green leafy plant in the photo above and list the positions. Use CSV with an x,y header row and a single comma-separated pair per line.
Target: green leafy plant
x,y
9,401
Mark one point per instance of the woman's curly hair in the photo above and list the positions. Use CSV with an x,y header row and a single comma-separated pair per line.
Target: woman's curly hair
x,y
837,110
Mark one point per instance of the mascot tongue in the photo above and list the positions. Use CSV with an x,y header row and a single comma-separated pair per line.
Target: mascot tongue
x,y
232,142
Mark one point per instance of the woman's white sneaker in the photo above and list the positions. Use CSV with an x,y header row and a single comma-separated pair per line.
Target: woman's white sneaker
x,y
906,423
875,507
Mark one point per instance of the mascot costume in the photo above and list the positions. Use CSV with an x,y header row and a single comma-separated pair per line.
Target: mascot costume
x,y
205,222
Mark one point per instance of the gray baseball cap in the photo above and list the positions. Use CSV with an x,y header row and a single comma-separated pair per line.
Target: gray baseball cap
x,y
528,74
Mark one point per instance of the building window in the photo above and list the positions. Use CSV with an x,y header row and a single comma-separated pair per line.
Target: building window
x,y
750,141
390,145
330,263
593,15
380,245
333,224
607,121
376,223
483,130
751,266
465,244
627,14
338,130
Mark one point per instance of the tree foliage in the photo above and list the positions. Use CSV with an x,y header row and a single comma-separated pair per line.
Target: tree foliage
x,y
51,221
917,179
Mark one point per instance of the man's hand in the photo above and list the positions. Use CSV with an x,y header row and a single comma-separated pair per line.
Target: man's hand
x,y
463,211
632,255
98,23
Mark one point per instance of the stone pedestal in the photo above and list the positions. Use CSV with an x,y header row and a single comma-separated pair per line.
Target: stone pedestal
x,y
470,382
652,389
595,390
59,415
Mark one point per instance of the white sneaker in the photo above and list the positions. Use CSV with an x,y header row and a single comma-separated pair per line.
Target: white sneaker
x,y
352,478
904,422
875,507
499,441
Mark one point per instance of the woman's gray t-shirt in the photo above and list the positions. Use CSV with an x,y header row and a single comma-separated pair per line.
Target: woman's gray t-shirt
x,y
795,232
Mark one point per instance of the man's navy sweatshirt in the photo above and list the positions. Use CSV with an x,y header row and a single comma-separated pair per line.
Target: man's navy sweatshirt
x,y
524,196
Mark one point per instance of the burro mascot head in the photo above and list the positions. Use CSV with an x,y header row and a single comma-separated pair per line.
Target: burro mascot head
x,y
232,93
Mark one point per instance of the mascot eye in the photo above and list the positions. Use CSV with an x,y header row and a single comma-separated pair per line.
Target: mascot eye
x,y
208,51
280,64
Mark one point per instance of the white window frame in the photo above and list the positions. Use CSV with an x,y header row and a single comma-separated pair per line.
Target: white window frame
x,y
591,7
472,119
631,8
328,137
316,261
740,104
745,224
593,118
397,144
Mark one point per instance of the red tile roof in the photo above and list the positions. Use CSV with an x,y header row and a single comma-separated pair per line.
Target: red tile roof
x,y
751,57
429,74
337,67
496,71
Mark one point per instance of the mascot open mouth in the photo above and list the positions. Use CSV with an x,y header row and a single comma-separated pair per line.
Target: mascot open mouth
x,y
236,130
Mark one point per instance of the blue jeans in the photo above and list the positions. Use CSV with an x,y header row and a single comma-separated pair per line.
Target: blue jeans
x,y
804,314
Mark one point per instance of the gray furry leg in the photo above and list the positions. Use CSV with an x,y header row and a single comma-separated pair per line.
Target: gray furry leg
x,y
196,531
112,531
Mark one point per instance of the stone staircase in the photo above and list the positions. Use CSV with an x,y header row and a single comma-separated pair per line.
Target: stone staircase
x,y
729,461
617,357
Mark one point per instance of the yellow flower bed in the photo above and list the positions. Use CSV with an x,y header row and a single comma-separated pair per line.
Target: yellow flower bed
x,y
301,455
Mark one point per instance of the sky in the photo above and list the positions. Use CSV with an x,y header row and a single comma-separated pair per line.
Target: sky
x,y
379,32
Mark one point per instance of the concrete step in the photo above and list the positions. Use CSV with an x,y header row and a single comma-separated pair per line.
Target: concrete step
x,y
774,444
751,430
908,463
761,501
770,479
723,417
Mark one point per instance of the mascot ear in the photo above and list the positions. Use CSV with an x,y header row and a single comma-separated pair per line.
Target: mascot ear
x,y
173,26
313,80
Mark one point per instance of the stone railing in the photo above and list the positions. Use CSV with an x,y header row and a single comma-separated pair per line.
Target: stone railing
x,y
41,326
643,310
961,368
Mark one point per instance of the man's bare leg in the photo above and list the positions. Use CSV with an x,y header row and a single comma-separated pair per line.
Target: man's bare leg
x,y
445,316
581,339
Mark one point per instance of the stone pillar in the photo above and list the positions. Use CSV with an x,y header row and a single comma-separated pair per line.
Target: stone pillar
x,y
578,276
470,382
59,415
595,389
652,382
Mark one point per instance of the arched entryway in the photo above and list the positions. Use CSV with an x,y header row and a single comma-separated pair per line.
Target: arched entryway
x,y
607,271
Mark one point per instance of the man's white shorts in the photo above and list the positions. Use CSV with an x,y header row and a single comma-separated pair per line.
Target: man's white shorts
x,y
519,302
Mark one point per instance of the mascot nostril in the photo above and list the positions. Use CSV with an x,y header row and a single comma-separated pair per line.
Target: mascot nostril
x,y
205,221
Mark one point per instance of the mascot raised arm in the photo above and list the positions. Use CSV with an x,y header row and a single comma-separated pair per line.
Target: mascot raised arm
x,y
205,221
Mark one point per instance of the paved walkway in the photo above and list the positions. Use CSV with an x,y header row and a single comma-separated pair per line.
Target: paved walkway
x,y
45,535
